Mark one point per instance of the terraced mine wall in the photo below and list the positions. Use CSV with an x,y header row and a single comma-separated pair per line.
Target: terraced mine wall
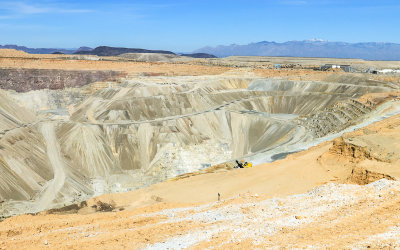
x,y
148,129
22,80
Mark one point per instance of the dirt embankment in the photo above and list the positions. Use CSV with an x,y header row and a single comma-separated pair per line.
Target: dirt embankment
x,y
22,80
371,155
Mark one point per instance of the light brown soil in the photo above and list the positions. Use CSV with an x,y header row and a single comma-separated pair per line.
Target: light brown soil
x,y
13,53
295,74
20,59
129,67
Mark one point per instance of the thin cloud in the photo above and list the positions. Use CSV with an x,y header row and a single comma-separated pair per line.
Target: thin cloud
x,y
20,9
23,8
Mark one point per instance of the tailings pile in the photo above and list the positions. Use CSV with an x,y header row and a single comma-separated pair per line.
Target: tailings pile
x,y
119,137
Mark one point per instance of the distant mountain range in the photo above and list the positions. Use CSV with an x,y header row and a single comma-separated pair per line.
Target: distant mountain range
x,y
199,55
42,50
99,51
309,48
115,51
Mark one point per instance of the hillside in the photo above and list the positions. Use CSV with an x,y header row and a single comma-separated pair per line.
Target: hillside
x,y
99,51
115,51
199,55
38,50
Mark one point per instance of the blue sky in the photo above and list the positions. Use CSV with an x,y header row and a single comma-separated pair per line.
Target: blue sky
x,y
182,26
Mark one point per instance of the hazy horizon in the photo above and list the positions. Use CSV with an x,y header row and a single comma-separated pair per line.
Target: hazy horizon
x,y
253,42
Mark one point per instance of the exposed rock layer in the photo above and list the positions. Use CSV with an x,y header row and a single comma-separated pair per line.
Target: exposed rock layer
x,y
23,80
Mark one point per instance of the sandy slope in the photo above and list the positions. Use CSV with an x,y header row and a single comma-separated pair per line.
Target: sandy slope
x,y
333,215
53,152
295,176
255,210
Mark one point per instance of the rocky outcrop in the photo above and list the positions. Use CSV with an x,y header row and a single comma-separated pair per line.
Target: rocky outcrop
x,y
362,176
22,80
367,147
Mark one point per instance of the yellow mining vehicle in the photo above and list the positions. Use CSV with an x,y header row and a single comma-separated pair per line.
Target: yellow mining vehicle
x,y
243,164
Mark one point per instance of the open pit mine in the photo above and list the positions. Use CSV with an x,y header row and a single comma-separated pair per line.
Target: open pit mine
x,y
68,134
